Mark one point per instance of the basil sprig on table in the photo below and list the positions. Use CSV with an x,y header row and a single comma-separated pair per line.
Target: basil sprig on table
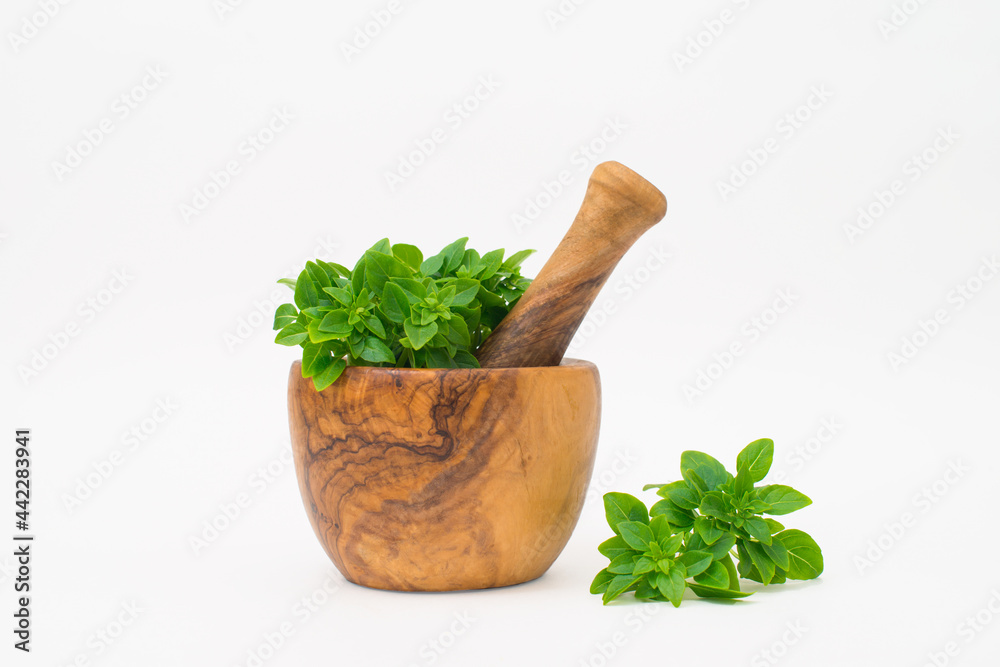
x,y
706,533
395,308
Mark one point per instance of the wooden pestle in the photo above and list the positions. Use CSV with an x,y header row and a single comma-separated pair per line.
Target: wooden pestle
x,y
618,207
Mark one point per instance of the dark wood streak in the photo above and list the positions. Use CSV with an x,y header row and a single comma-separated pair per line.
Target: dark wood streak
x,y
434,479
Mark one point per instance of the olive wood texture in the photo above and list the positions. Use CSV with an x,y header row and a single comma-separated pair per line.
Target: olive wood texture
x,y
618,207
445,479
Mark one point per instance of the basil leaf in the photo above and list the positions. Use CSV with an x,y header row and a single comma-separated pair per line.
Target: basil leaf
x,y
713,576
621,507
623,564
620,584
782,499
409,255
695,562
291,334
374,324
708,469
376,351
672,585
329,375
419,334
675,515
284,315
306,295
804,555
335,322
514,261
636,534
343,296
680,494
601,581
707,530
758,529
379,268
756,458
614,547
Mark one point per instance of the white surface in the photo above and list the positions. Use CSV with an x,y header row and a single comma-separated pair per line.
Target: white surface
x,y
321,181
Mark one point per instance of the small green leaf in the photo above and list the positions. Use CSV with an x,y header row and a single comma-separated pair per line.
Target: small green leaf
x,y
287,281
453,254
756,458
394,304
318,275
804,555
623,564
714,576
719,549
291,334
383,246
672,585
466,291
464,359
414,290
432,265
601,581
315,359
710,592
284,315
515,260
646,590
329,375
335,322
777,552
614,547
377,352
708,469
621,507
458,332
675,515
343,296
439,358
643,565
782,499
619,585
419,335
671,545
695,562
380,267
760,560
374,324
773,525
680,494
636,534
490,264
707,530
743,483
306,295
714,504
661,527
409,255
758,529
358,276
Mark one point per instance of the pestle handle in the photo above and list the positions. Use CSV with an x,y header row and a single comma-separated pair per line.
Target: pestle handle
x,y
618,207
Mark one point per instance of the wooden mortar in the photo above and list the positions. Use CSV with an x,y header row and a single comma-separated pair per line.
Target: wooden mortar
x,y
445,479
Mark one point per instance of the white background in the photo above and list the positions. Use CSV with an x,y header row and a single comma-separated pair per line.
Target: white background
x,y
184,329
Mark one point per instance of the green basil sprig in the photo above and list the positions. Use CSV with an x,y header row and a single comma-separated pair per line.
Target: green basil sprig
x,y
706,533
395,308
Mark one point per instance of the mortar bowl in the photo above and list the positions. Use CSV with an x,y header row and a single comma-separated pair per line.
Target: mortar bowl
x,y
445,479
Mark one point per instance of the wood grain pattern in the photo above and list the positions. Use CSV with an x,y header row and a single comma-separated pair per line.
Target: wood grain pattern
x,y
618,207
445,479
